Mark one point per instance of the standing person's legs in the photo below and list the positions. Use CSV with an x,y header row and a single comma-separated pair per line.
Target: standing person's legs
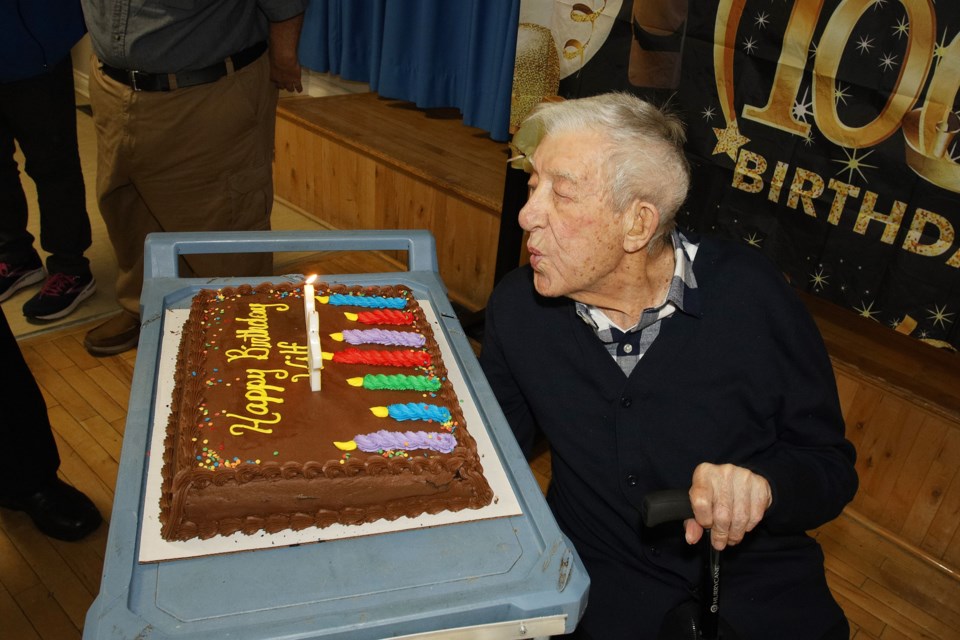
x,y
20,266
28,476
47,132
204,163
194,159
16,243
46,128
24,425
40,114
127,218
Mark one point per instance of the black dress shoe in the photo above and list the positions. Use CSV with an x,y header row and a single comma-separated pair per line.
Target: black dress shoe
x,y
58,510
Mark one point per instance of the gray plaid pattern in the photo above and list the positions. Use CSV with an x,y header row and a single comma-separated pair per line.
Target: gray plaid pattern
x,y
628,347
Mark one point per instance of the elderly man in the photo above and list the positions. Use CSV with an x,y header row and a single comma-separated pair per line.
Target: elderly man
x,y
653,359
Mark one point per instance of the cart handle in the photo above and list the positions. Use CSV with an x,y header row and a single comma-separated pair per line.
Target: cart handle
x,y
161,250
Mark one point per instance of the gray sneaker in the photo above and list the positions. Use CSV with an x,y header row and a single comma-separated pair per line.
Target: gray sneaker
x,y
59,296
14,277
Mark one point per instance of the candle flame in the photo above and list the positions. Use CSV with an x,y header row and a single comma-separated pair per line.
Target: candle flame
x,y
310,279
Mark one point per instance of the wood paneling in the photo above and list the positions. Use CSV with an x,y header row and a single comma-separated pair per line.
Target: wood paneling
x,y
908,459
361,162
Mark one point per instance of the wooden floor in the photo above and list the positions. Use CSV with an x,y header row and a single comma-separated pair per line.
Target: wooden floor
x,y
46,586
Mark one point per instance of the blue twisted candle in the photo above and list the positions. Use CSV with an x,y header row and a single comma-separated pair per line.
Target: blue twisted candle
x,y
370,302
413,411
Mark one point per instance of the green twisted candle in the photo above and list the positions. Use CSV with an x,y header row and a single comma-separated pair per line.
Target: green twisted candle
x,y
396,382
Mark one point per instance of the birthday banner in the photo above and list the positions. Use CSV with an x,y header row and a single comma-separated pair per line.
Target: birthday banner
x,y
822,132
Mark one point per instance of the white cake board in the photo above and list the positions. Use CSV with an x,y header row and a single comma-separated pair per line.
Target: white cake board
x,y
153,548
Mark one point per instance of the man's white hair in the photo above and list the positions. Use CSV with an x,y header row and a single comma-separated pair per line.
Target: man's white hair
x,y
645,159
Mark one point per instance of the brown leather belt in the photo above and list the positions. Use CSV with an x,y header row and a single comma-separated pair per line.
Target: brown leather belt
x,y
143,81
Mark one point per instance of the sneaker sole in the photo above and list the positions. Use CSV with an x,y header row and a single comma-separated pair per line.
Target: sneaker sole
x,y
25,281
83,295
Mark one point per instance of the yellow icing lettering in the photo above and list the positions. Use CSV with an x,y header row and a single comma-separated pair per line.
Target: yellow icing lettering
x,y
256,353
257,331
251,424
259,309
258,391
292,348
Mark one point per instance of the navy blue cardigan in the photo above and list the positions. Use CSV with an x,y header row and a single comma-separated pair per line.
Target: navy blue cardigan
x,y
743,379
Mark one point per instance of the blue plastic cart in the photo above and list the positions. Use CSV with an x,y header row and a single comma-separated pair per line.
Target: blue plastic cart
x,y
511,577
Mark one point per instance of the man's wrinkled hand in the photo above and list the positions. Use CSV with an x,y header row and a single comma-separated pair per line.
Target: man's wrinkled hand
x,y
727,499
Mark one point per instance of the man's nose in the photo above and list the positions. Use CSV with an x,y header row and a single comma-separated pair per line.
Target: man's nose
x,y
531,213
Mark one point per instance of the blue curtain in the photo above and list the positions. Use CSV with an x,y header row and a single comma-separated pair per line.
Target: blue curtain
x,y
434,53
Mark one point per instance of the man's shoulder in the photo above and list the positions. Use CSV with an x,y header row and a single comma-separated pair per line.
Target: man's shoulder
x,y
720,258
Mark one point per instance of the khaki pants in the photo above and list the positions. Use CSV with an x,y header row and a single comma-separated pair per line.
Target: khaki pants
x,y
193,159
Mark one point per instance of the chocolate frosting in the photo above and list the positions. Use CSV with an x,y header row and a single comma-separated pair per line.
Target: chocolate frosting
x,y
249,447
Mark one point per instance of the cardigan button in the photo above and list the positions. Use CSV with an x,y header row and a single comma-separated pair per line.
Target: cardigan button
x,y
625,402
632,480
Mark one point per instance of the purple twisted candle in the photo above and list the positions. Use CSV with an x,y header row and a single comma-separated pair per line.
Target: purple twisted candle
x,y
384,336
406,441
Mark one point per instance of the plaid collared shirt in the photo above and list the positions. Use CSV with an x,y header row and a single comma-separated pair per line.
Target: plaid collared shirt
x,y
627,347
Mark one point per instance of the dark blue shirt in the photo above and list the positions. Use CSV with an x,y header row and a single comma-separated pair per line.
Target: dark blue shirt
x,y
35,35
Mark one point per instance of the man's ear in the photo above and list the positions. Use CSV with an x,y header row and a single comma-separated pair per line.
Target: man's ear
x,y
641,221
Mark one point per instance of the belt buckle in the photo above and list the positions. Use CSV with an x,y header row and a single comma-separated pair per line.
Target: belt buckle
x,y
133,74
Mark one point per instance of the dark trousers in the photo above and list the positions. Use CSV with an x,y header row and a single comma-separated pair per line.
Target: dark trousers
x,y
40,114
32,456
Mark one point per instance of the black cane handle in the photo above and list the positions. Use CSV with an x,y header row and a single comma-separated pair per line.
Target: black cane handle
x,y
666,506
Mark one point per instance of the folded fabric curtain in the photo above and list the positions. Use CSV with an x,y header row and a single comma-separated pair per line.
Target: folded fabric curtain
x,y
434,53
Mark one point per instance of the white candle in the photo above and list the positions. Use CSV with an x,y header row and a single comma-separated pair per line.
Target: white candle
x,y
314,355
309,301
313,342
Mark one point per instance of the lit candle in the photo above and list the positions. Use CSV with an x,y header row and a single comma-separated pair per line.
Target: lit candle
x,y
309,301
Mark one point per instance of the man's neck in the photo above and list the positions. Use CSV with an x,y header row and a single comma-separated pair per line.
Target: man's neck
x,y
642,283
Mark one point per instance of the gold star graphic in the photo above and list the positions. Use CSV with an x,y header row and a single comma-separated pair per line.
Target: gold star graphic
x,y
854,162
902,29
754,240
866,310
729,140
939,315
819,279
940,50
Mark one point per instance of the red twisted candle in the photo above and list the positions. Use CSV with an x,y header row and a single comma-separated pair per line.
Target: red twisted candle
x,y
383,358
383,316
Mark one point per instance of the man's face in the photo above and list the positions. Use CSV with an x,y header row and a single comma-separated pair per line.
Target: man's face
x,y
576,239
